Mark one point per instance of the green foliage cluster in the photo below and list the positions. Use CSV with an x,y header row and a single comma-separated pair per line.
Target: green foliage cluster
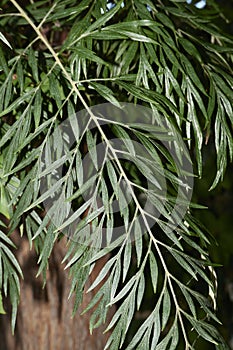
x,y
60,58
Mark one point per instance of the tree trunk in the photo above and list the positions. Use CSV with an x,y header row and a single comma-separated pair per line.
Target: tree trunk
x,y
44,319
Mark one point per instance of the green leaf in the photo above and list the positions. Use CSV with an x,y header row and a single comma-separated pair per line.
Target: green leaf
x,y
76,214
165,20
130,284
132,35
91,144
126,57
106,92
124,137
105,18
2,311
183,262
3,62
191,73
85,53
37,108
55,89
138,240
166,308
127,259
4,206
32,61
153,271
141,290
20,76
18,102
28,161
102,273
4,39
190,48
113,177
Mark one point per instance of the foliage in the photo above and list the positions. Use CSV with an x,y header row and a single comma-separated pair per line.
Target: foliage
x,y
67,57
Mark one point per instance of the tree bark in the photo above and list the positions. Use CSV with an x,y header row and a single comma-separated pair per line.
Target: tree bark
x,y
44,319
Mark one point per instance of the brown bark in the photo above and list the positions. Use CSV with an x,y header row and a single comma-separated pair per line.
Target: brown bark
x,y
44,319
